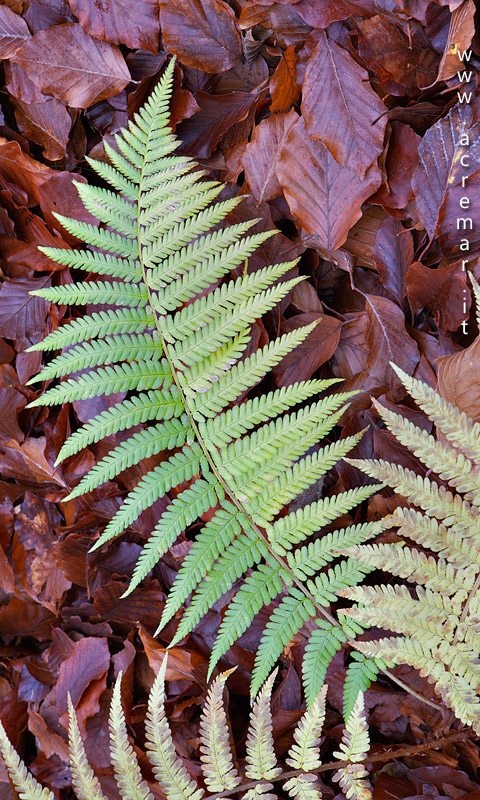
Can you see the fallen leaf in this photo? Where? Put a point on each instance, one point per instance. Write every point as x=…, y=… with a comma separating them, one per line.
x=22, y=617
x=341, y=109
x=442, y=291
x=67, y=63
x=324, y=196
x=21, y=314
x=201, y=133
x=202, y=33
x=144, y=605
x=120, y=21
x=47, y=124
x=458, y=379
x=314, y=351
x=182, y=664
x=21, y=170
x=88, y=662
x=42, y=14
x=440, y=169
x=11, y=403
x=460, y=34
x=261, y=155
x=27, y=464
x=402, y=158
x=321, y=13
x=13, y=32
x=387, y=340
x=283, y=85
x=393, y=255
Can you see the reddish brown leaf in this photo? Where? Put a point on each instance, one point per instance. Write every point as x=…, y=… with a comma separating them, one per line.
x=11, y=403
x=22, y=314
x=182, y=665
x=47, y=124
x=460, y=34
x=442, y=291
x=22, y=617
x=352, y=353
x=28, y=465
x=120, y=21
x=13, y=32
x=402, y=59
x=201, y=133
x=22, y=170
x=324, y=196
x=402, y=158
x=143, y=605
x=202, y=33
x=321, y=13
x=340, y=107
x=451, y=233
x=440, y=169
x=393, y=254
x=387, y=340
x=261, y=155
x=68, y=64
x=314, y=351
x=458, y=379
x=43, y=14
x=88, y=662
x=59, y=195
x=283, y=84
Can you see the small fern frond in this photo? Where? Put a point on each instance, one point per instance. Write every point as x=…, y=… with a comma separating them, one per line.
x=360, y=673
x=86, y=784
x=169, y=771
x=354, y=747
x=260, y=757
x=122, y=756
x=304, y=754
x=325, y=641
x=218, y=769
x=22, y=780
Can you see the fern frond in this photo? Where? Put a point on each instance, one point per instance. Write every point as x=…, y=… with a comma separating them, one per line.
x=122, y=756
x=458, y=549
x=101, y=323
x=125, y=269
x=218, y=769
x=304, y=754
x=86, y=784
x=260, y=757
x=360, y=673
x=23, y=781
x=325, y=641
x=167, y=767
x=354, y=747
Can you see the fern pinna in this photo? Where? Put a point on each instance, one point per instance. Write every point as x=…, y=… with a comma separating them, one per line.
x=175, y=340
x=440, y=619
x=219, y=772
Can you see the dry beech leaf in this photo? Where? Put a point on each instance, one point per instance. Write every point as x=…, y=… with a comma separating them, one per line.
x=439, y=169
x=340, y=107
x=315, y=350
x=130, y=22
x=47, y=124
x=361, y=238
x=283, y=85
x=11, y=403
x=402, y=158
x=21, y=170
x=13, y=32
x=22, y=314
x=441, y=291
x=27, y=464
x=460, y=35
x=387, y=340
x=67, y=63
x=202, y=33
x=392, y=255
x=449, y=234
x=324, y=196
x=262, y=153
x=352, y=353
x=321, y=13
x=458, y=379
x=201, y=133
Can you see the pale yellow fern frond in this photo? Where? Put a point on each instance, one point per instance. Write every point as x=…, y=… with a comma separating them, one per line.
x=23, y=781
x=218, y=769
x=122, y=756
x=84, y=781
x=167, y=767
x=260, y=757
x=460, y=550
x=354, y=747
x=305, y=752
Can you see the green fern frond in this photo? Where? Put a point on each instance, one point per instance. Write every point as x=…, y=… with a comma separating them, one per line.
x=175, y=340
x=360, y=673
x=325, y=641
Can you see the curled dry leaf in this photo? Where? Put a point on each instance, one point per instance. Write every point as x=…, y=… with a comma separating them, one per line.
x=202, y=33
x=324, y=196
x=66, y=63
x=402, y=158
x=283, y=85
x=134, y=24
x=341, y=109
x=460, y=34
x=21, y=314
x=201, y=133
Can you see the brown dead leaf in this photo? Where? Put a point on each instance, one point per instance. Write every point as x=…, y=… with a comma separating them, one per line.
x=11, y=403
x=387, y=340
x=120, y=21
x=27, y=464
x=182, y=664
x=402, y=158
x=392, y=255
x=21, y=616
x=324, y=196
x=340, y=108
x=67, y=63
x=202, y=33
x=89, y=661
x=283, y=85
x=21, y=170
x=22, y=314
x=460, y=34
x=47, y=124
x=262, y=154
x=458, y=379
x=442, y=291
x=13, y=32
x=201, y=133
x=314, y=351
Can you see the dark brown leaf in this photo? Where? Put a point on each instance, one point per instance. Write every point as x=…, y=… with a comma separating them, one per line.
x=262, y=154
x=201, y=133
x=340, y=107
x=202, y=33
x=11, y=403
x=393, y=254
x=460, y=34
x=442, y=291
x=324, y=196
x=68, y=64
x=47, y=124
x=21, y=314
x=13, y=32
x=387, y=340
x=458, y=379
x=314, y=351
x=402, y=158
x=120, y=21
